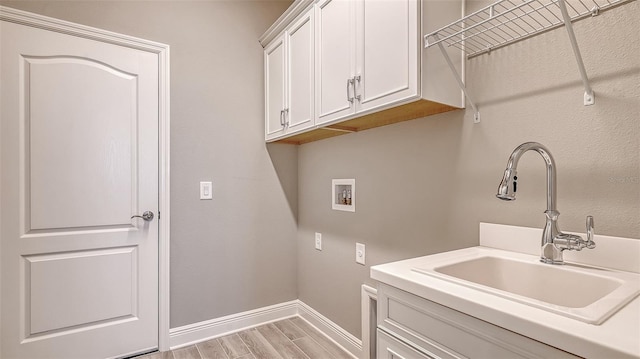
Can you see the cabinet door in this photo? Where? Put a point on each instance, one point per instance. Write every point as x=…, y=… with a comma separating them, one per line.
x=335, y=59
x=275, y=72
x=387, y=56
x=446, y=333
x=387, y=347
x=300, y=89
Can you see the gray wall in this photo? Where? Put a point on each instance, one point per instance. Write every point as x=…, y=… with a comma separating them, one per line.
x=423, y=186
x=237, y=252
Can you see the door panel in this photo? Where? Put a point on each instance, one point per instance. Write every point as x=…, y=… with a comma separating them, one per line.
x=50, y=277
x=81, y=161
x=79, y=145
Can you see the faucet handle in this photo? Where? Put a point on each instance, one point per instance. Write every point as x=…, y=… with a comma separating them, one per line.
x=590, y=232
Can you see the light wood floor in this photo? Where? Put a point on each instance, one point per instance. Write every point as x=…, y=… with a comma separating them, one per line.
x=289, y=338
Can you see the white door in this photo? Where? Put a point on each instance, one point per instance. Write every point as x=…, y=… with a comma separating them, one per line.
x=300, y=50
x=274, y=79
x=335, y=44
x=79, y=157
x=387, y=56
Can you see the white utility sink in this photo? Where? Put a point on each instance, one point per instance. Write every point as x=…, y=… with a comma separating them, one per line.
x=589, y=294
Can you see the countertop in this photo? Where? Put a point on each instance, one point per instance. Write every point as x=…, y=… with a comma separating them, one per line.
x=617, y=337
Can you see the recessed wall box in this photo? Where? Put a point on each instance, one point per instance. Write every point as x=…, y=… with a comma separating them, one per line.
x=343, y=195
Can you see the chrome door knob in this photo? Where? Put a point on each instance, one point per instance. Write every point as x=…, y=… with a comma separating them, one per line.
x=147, y=216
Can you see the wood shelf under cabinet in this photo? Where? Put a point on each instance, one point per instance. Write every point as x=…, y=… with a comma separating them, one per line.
x=410, y=111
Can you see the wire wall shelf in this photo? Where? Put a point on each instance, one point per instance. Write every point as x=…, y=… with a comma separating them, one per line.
x=507, y=21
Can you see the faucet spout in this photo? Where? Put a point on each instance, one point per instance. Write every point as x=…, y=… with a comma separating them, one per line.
x=507, y=188
x=554, y=242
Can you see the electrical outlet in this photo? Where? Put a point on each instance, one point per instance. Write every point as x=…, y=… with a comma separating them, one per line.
x=360, y=253
x=319, y=241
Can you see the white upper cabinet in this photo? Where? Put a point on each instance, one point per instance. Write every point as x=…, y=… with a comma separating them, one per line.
x=387, y=52
x=289, y=80
x=335, y=59
x=367, y=55
x=300, y=91
x=275, y=73
x=350, y=65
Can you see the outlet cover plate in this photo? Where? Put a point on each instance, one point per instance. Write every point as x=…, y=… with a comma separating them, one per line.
x=360, y=254
x=319, y=241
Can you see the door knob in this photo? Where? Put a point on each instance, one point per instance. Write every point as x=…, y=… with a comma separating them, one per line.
x=147, y=216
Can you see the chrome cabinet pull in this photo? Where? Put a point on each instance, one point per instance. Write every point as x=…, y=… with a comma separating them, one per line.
x=349, y=98
x=286, y=117
x=282, y=118
x=147, y=216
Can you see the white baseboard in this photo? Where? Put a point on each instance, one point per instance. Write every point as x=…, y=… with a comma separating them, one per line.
x=197, y=332
x=209, y=329
x=341, y=337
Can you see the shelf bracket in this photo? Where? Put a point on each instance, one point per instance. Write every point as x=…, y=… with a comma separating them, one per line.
x=476, y=113
x=340, y=128
x=589, y=96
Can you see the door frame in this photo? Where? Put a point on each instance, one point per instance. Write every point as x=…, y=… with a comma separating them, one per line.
x=162, y=50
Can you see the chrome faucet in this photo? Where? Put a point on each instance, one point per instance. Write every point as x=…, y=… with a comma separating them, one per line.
x=554, y=242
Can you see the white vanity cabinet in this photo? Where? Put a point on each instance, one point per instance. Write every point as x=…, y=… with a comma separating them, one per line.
x=367, y=56
x=413, y=327
x=388, y=347
x=289, y=79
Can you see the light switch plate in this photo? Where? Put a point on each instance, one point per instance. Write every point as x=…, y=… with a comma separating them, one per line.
x=206, y=190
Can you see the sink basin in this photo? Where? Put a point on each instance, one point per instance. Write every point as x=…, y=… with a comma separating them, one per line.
x=589, y=294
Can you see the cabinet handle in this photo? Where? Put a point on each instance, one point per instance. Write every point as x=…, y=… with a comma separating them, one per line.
x=356, y=78
x=282, y=118
x=349, y=83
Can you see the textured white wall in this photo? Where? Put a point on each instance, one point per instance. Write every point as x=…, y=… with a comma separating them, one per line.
x=424, y=185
